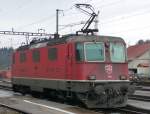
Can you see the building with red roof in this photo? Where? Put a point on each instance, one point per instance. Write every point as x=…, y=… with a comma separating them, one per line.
x=139, y=58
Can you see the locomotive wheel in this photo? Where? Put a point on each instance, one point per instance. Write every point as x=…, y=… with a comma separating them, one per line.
x=15, y=88
x=19, y=88
x=37, y=94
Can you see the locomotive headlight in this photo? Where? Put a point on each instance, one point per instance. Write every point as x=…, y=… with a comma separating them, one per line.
x=123, y=77
x=92, y=77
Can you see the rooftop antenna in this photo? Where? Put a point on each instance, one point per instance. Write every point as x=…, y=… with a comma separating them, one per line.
x=85, y=8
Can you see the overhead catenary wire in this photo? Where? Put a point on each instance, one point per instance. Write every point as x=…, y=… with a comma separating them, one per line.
x=108, y=4
x=49, y=17
x=123, y=17
x=22, y=5
x=38, y=21
x=132, y=29
x=71, y=25
x=69, y=9
x=102, y=5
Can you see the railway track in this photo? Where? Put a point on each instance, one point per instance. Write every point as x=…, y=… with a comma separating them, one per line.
x=5, y=88
x=128, y=110
x=124, y=110
x=5, y=85
x=133, y=110
x=141, y=95
x=140, y=98
x=13, y=109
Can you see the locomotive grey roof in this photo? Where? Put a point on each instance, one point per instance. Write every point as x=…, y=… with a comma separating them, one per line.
x=82, y=38
x=69, y=38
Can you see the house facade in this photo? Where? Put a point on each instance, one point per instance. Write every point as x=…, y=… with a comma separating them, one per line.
x=139, y=59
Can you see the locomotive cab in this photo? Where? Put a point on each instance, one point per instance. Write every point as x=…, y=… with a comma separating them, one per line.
x=99, y=64
x=100, y=60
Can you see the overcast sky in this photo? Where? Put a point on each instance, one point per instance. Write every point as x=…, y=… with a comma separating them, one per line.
x=129, y=19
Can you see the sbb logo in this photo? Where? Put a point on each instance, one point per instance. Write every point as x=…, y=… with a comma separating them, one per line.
x=108, y=69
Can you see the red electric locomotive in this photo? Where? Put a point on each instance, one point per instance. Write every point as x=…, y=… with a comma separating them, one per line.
x=90, y=68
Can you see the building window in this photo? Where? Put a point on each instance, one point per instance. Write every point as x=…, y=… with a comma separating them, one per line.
x=22, y=57
x=52, y=54
x=36, y=55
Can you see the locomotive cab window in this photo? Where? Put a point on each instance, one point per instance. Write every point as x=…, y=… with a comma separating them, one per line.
x=94, y=51
x=79, y=52
x=52, y=54
x=36, y=55
x=22, y=57
x=117, y=52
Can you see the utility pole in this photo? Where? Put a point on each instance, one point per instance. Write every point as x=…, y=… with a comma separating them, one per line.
x=57, y=23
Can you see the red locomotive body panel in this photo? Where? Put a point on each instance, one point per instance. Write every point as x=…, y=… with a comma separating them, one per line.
x=66, y=66
x=83, y=71
x=44, y=68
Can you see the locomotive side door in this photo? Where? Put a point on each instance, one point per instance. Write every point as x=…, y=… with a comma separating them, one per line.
x=69, y=62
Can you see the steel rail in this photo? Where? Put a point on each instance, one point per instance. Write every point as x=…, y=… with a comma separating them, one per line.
x=140, y=98
x=133, y=110
x=5, y=85
x=14, y=109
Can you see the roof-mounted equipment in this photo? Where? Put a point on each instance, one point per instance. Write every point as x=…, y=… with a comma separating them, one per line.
x=89, y=10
